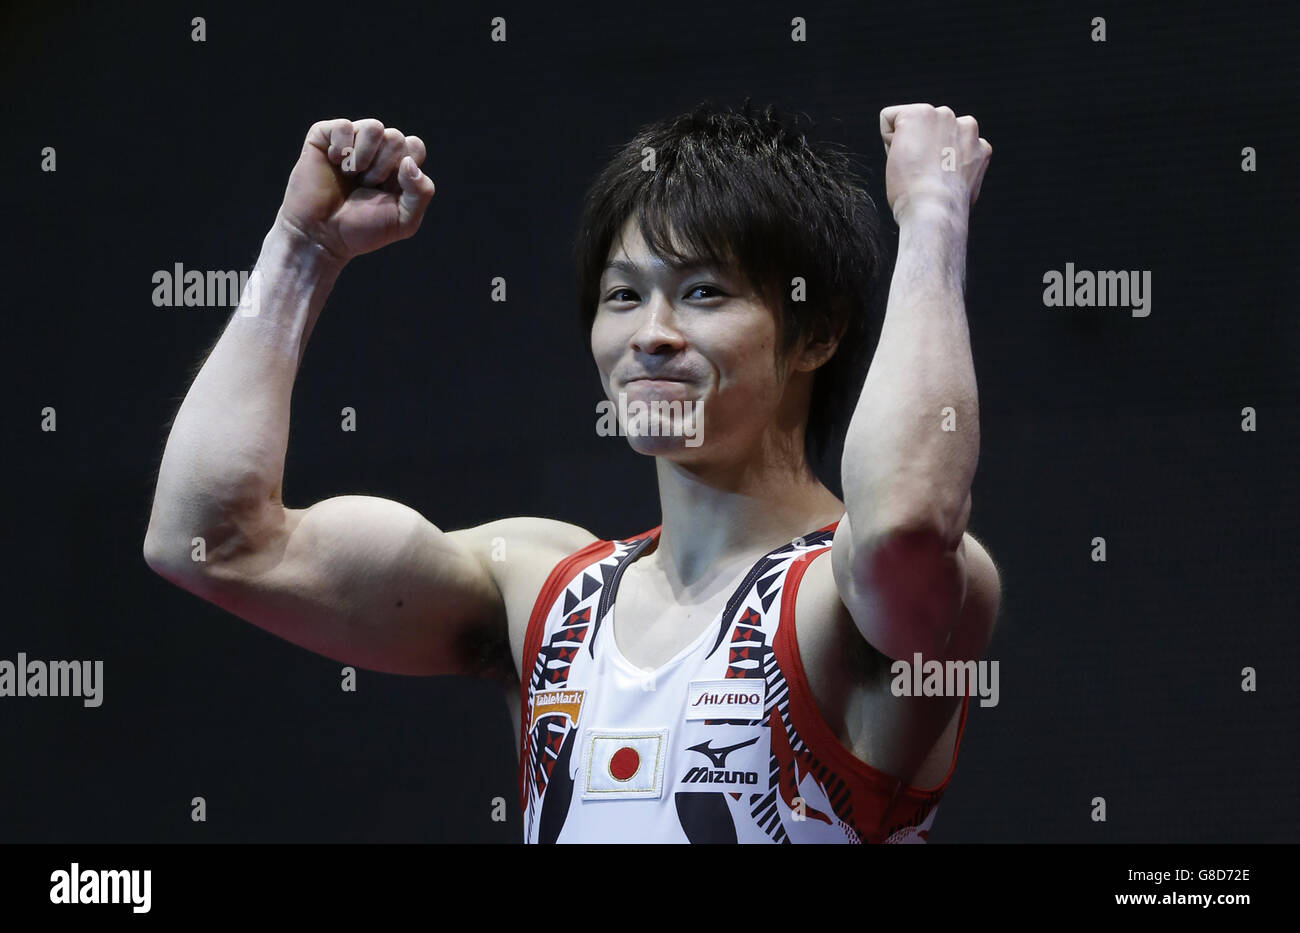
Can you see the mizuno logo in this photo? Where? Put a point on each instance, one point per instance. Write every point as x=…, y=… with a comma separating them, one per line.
x=719, y=755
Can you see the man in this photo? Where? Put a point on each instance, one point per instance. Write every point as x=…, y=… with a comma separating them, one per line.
x=708, y=680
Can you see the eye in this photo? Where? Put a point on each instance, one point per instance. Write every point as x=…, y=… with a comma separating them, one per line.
x=717, y=292
x=613, y=296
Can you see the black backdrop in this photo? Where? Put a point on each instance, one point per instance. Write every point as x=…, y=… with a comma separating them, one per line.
x=1119, y=679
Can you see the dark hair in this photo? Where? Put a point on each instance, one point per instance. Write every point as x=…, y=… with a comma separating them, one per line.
x=749, y=191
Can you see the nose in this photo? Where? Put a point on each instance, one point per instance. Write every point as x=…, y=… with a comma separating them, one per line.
x=657, y=330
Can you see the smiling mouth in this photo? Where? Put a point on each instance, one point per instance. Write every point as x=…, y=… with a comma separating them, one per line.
x=658, y=388
x=657, y=385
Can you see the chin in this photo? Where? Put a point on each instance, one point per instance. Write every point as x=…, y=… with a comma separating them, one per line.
x=675, y=448
x=665, y=433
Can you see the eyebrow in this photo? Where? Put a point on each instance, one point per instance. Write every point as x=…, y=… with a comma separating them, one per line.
x=628, y=267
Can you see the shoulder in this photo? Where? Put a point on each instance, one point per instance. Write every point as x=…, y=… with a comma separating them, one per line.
x=985, y=581
x=520, y=552
x=821, y=605
x=519, y=555
x=834, y=656
x=914, y=740
x=983, y=598
x=524, y=531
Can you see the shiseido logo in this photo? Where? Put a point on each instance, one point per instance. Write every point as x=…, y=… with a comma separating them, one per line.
x=727, y=699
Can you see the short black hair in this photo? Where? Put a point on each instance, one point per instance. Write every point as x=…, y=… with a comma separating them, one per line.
x=748, y=190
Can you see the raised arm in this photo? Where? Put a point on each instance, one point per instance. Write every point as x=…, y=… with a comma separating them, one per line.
x=910, y=575
x=359, y=579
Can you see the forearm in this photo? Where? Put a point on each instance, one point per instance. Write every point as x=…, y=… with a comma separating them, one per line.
x=224, y=460
x=908, y=462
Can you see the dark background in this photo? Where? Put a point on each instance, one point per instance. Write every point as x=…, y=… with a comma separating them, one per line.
x=1118, y=679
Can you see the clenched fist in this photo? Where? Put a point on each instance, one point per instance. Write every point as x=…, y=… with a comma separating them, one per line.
x=931, y=155
x=356, y=187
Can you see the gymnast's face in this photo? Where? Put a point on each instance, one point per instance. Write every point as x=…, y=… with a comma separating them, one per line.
x=695, y=334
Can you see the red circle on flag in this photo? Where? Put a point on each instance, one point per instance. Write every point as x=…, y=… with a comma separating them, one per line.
x=624, y=763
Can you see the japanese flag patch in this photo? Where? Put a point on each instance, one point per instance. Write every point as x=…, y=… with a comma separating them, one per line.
x=621, y=765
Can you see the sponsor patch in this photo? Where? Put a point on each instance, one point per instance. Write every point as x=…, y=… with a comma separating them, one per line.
x=732, y=758
x=546, y=702
x=736, y=698
x=623, y=765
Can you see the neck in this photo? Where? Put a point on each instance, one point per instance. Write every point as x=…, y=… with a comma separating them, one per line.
x=716, y=516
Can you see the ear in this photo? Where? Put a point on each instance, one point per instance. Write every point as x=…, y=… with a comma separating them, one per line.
x=817, y=348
